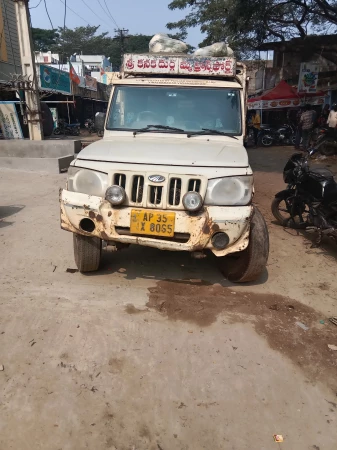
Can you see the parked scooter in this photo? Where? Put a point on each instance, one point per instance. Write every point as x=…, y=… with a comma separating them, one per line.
x=326, y=141
x=70, y=129
x=310, y=200
x=285, y=135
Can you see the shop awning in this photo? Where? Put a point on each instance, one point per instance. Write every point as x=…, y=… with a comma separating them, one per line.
x=284, y=96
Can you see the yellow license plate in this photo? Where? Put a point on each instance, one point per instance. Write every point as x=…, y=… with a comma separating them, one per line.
x=152, y=223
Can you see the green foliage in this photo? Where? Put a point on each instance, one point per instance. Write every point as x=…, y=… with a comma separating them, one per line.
x=246, y=24
x=44, y=40
x=88, y=41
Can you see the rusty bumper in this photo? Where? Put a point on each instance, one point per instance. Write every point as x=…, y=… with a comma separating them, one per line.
x=234, y=221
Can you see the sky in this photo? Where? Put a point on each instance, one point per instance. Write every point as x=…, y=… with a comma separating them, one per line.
x=138, y=16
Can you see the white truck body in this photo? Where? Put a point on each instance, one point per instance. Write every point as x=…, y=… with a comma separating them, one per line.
x=156, y=167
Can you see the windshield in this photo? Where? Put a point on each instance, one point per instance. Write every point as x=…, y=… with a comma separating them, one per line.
x=190, y=109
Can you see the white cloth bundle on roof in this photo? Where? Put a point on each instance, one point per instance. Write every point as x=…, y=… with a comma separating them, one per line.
x=217, y=49
x=161, y=43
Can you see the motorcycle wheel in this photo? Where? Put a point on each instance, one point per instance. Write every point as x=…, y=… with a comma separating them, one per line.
x=100, y=133
x=293, y=140
x=76, y=132
x=327, y=150
x=57, y=131
x=266, y=140
x=280, y=209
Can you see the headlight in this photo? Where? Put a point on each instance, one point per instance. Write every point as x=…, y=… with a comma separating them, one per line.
x=87, y=181
x=192, y=201
x=115, y=195
x=229, y=191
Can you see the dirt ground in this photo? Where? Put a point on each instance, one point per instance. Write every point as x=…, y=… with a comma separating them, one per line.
x=157, y=351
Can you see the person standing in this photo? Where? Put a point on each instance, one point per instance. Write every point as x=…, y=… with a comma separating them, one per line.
x=298, y=136
x=306, y=123
x=256, y=126
x=332, y=127
x=332, y=118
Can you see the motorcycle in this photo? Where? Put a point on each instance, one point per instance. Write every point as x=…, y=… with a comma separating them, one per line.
x=90, y=126
x=326, y=141
x=285, y=135
x=310, y=200
x=70, y=129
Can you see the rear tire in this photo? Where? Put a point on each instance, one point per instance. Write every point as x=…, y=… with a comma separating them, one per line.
x=328, y=150
x=248, y=265
x=87, y=252
x=266, y=140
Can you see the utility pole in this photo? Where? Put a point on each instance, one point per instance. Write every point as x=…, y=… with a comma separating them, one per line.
x=121, y=34
x=33, y=107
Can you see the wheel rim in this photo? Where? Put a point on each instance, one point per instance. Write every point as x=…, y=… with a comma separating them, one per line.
x=267, y=140
x=300, y=216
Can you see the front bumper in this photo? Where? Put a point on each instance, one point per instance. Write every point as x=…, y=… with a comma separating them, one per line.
x=112, y=224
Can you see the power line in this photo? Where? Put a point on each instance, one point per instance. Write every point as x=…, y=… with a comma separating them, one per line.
x=121, y=34
x=95, y=13
x=51, y=23
x=74, y=12
x=33, y=7
x=111, y=15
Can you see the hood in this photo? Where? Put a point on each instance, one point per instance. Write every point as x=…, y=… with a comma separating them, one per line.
x=168, y=151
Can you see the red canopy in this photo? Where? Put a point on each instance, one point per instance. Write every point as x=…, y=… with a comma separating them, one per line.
x=283, y=91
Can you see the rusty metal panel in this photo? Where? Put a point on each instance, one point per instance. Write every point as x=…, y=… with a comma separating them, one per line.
x=232, y=220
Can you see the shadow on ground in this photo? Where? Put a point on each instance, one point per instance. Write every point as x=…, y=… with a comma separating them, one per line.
x=153, y=264
x=7, y=211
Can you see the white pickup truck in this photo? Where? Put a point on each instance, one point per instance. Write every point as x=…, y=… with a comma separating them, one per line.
x=171, y=171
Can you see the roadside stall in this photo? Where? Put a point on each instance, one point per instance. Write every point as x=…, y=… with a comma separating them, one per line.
x=279, y=104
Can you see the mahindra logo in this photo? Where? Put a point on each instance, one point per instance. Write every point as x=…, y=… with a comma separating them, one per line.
x=156, y=178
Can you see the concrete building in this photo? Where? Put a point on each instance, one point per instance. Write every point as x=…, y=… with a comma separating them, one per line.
x=46, y=57
x=289, y=55
x=10, y=60
x=92, y=63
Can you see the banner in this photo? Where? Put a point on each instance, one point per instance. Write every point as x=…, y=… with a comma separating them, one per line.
x=9, y=121
x=307, y=83
x=90, y=83
x=286, y=103
x=52, y=79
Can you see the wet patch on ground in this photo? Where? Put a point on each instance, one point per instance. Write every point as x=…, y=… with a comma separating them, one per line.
x=289, y=326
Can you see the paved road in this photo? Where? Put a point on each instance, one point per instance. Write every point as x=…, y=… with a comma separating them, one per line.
x=157, y=351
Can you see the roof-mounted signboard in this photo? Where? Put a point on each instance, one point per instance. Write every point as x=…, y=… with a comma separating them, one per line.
x=179, y=65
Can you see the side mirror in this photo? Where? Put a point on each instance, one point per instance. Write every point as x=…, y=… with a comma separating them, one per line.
x=100, y=121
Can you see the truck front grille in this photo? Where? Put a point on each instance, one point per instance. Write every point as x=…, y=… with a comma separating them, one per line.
x=167, y=195
x=156, y=193
x=175, y=191
x=120, y=179
x=137, y=189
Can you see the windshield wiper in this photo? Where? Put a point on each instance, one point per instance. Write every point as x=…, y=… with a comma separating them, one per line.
x=160, y=127
x=209, y=131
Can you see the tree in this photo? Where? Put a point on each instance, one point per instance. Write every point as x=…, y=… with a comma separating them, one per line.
x=88, y=41
x=44, y=40
x=246, y=24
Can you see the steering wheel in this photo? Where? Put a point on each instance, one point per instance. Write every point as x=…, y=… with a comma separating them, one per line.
x=149, y=113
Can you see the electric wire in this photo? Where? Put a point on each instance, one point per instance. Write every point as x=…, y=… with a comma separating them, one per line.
x=51, y=23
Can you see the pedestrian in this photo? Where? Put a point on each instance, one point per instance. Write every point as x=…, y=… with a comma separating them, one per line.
x=332, y=127
x=324, y=116
x=332, y=118
x=306, y=122
x=256, y=126
x=298, y=136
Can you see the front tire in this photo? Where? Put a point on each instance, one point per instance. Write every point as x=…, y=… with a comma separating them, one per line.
x=248, y=265
x=87, y=252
